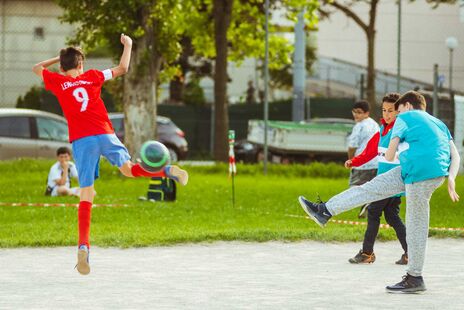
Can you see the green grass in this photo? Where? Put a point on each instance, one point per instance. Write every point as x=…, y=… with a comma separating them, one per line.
x=266, y=208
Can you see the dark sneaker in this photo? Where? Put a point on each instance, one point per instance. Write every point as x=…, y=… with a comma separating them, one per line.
x=362, y=258
x=409, y=285
x=316, y=211
x=363, y=212
x=403, y=260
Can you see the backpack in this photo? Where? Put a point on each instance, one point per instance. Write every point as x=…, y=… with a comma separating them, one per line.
x=161, y=189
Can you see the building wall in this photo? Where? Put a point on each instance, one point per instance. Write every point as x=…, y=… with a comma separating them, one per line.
x=424, y=31
x=30, y=32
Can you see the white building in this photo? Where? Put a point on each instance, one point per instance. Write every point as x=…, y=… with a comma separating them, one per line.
x=424, y=31
x=30, y=32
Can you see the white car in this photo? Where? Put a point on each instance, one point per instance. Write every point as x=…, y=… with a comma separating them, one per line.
x=31, y=133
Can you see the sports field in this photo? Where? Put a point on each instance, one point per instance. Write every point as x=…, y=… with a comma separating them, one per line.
x=266, y=208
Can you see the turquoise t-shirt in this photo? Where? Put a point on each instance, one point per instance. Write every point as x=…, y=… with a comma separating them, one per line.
x=424, y=150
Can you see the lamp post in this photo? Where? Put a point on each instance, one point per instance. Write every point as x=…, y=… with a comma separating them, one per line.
x=451, y=44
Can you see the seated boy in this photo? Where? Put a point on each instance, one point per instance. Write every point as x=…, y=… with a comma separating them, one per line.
x=59, y=177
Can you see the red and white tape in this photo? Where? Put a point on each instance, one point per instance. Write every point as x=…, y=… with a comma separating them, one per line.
x=356, y=223
x=75, y=205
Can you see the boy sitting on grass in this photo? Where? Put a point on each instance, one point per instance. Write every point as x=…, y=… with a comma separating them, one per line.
x=59, y=177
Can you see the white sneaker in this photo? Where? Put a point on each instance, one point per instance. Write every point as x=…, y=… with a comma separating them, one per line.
x=83, y=265
x=177, y=174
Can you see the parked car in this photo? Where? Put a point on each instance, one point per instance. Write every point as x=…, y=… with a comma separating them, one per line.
x=31, y=133
x=167, y=133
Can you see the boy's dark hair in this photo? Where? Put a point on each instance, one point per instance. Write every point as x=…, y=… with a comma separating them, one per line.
x=63, y=150
x=414, y=98
x=70, y=58
x=391, y=97
x=361, y=104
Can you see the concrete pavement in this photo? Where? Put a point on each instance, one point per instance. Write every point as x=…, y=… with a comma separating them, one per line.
x=228, y=275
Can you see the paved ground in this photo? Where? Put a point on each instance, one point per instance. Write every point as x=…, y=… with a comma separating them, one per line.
x=304, y=275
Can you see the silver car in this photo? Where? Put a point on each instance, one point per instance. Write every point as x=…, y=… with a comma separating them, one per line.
x=31, y=133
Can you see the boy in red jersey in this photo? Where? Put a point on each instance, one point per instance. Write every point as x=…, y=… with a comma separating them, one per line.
x=90, y=130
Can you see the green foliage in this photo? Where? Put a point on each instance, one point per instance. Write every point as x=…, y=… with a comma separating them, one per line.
x=246, y=31
x=193, y=93
x=30, y=100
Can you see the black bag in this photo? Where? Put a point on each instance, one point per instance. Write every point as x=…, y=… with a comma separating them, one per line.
x=48, y=189
x=161, y=189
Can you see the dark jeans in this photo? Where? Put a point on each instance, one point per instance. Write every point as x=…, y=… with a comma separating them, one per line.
x=391, y=210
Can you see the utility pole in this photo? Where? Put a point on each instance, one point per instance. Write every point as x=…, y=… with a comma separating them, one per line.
x=266, y=83
x=299, y=77
x=398, y=71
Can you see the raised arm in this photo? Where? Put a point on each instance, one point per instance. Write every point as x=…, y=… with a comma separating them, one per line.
x=39, y=67
x=392, y=148
x=123, y=66
x=453, y=171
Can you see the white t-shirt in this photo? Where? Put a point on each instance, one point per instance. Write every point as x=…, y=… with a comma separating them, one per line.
x=361, y=134
x=56, y=171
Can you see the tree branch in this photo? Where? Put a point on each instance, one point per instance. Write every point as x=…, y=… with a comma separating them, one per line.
x=348, y=12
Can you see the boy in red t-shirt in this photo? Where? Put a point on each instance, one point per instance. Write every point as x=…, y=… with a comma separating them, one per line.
x=90, y=130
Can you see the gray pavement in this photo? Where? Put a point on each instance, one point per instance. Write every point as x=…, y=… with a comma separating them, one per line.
x=227, y=275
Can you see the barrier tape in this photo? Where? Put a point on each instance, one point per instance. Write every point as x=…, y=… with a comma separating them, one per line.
x=346, y=222
x=385, y=226
x=75, y=205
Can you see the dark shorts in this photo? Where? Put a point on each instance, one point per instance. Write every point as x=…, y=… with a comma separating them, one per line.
x=359, y=177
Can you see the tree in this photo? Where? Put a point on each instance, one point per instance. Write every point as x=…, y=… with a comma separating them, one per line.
x=155, y=47
x=369, y=29
x=221, y=30
x=238, y=29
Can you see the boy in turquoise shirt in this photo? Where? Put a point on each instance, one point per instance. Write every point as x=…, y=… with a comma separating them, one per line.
x=427, y=155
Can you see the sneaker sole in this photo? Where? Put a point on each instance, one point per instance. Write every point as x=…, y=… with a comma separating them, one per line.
x=303, y=205
x=363, y=213
x=82, y=265
x=360, y=263
x=180, y=174
x=406, y=291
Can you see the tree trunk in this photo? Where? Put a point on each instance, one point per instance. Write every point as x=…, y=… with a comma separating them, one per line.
x=140, y=94
x=370, y=89
x=222, y=14
x=176, y=90
x=370, y=33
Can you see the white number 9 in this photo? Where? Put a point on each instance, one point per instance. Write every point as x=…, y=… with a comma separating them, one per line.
x=81, y=96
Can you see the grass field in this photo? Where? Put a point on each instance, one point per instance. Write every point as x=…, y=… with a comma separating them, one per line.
x=266, y=208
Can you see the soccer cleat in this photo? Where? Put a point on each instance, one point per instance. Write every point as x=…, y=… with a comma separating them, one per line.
x=409, y=285
x=362, y=258
x=316, y=211
x=83, y=265
x=403, y=260
x=177, y=174
x=363, y=212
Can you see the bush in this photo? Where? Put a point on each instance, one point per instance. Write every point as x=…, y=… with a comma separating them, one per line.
x=193, y=93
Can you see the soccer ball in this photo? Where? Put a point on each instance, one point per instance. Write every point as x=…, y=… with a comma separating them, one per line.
x=154, y=156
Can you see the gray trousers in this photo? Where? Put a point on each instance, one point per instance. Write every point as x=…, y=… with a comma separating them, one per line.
x=417, y=208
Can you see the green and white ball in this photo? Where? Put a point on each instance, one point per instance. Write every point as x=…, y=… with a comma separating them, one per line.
x=154, y=156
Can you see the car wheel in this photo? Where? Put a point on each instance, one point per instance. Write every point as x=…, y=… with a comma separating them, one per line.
x=173, y=155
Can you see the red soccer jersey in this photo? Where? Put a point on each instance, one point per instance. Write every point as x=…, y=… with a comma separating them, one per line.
x=81, y=103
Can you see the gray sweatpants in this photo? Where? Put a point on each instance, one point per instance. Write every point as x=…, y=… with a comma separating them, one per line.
x=417, y=208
